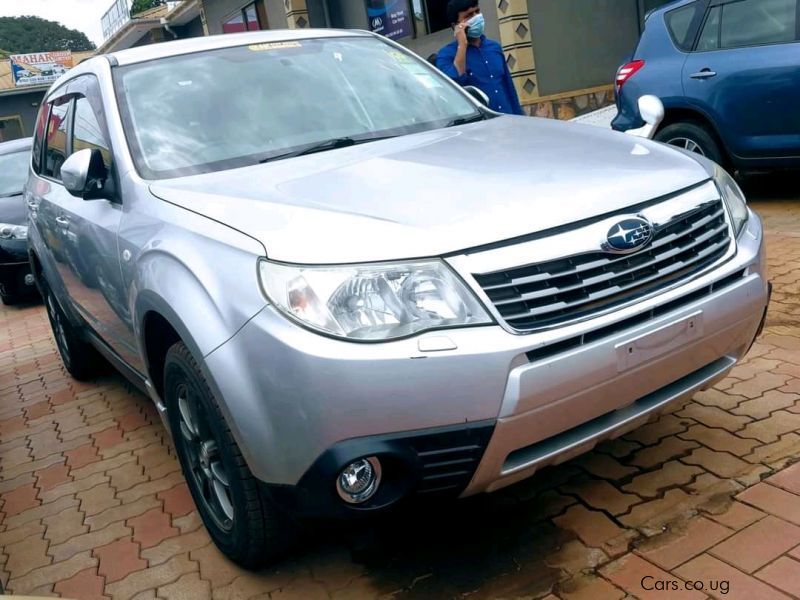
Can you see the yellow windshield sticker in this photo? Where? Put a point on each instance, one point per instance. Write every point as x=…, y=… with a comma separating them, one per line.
x=400, y=56
x=274, y=46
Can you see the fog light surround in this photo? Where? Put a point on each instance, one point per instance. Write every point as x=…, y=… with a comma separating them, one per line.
x=359, y=480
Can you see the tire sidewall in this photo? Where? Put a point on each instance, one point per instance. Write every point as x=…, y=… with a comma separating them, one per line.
x=52, y=306
x=177, y=371
x=696, y=133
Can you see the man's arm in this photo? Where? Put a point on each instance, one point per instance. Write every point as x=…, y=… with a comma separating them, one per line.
x=446, y=63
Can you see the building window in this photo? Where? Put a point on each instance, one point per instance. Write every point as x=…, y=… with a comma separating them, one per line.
x=245, y=19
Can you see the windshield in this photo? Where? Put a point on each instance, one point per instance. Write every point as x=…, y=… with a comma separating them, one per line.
x=13, y=172
x=227, y=108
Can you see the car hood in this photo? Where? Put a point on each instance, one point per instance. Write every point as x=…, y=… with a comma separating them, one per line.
x=13, y=210
x=436, y=192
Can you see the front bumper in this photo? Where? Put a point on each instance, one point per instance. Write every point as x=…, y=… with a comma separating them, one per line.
x=302, y=405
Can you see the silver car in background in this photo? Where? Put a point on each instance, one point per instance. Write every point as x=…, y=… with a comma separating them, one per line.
x=346, y=284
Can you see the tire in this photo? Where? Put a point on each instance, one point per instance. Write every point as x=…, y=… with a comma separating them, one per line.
x=80, y=358
x=242, y=520
x=10, y=299
x=693, y=137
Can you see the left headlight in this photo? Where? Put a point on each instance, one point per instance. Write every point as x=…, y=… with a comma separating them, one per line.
x=372, y=302
x=734, y=198
x=13, y=232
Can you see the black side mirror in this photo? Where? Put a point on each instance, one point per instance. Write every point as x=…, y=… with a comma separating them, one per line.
x=85, y=175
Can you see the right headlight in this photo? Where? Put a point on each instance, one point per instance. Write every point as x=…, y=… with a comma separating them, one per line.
x=372, y=302
x=734, y=198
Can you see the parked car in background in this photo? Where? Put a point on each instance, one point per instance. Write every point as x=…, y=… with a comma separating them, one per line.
x=347, y=284
x=16, y=281
x=728, y=73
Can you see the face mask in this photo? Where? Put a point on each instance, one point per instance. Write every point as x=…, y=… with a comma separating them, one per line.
x=475, y=26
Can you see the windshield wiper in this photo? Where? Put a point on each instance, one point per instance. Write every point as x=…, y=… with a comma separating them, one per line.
x=332, y=144
x=464, y=120
x=11, y=194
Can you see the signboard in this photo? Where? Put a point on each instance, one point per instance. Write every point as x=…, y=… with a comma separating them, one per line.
x=391, y=18
x=115, y=17
x=40, y=68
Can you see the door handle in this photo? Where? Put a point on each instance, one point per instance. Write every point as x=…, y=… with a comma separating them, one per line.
x=704, y=74
x=63, y=221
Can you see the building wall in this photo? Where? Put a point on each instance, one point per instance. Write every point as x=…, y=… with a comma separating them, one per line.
x=579, y=44
x=25, y=106
x=193, y=28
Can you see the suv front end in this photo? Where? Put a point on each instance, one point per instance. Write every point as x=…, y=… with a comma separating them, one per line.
x=585, y=344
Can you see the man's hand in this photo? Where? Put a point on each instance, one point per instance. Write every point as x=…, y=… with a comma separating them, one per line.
x=460, y=33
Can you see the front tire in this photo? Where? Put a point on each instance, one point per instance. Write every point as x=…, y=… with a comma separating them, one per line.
x=693, y=137
x=242, y=520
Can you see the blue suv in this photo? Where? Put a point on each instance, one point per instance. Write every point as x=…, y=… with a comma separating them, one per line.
x=728, y=73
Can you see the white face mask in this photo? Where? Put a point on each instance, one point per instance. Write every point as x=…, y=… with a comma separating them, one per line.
x=475, y=26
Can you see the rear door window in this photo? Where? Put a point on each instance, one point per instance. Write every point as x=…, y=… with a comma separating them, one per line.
x=758, y=22
x=55, y=152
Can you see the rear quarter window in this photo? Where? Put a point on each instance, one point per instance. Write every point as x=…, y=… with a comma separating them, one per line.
x=682, y=24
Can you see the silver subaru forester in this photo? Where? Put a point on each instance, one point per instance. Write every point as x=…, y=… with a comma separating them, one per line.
x=346, y=284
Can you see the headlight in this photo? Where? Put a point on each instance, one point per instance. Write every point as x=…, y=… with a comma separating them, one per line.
x=13, y=232
x=372, y=302
x=733, y=197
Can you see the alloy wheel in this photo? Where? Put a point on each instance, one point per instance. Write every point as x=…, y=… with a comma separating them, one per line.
x=687, y=144
x=205, y=460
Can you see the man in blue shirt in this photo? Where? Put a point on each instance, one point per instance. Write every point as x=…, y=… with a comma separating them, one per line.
x=473, y=59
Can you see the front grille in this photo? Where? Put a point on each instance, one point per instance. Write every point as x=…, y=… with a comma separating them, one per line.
x=558, y=291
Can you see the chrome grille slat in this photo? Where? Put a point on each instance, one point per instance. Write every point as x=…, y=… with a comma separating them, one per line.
x=613, y=291
x=598, y=279
x=580, y=268
x=556, y=291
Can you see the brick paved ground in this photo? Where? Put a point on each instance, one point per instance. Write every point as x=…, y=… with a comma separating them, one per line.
x=94, y=505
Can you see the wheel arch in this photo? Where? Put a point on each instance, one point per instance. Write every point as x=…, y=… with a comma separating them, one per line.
x=682, y=114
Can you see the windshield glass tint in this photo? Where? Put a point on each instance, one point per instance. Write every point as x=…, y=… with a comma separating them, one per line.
x=13, y=172
x=233, y=107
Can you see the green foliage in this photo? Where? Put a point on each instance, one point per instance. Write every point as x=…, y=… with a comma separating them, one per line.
x=24, y=35
x=142, y=5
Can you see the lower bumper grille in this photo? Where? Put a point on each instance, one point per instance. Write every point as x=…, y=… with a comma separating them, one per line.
x=562, y=290
x=448, y=460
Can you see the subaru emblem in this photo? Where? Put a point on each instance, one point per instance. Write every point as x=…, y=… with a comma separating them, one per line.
x=629, y=235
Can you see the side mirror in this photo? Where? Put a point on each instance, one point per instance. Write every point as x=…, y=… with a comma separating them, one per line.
x=84, y=175
x=477, y=94
x=652, y=111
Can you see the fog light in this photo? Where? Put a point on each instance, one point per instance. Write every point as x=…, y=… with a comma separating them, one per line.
x=29, y=280
x=359, y=480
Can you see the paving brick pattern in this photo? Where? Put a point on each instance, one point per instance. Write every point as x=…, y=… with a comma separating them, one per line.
x=93, y=504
